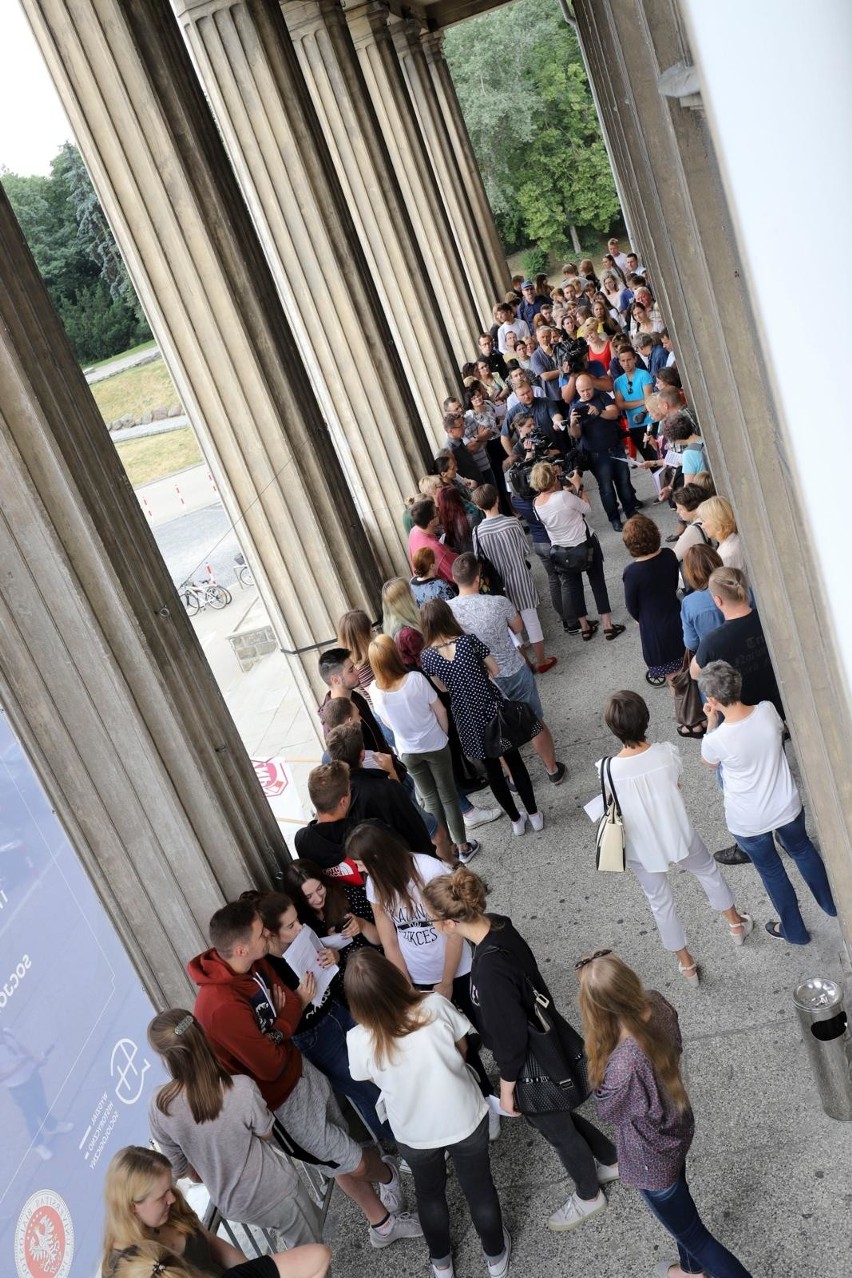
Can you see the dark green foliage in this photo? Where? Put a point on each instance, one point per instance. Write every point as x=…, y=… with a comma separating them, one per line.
x=534, y=261
x=522, y=85
x=78, y=258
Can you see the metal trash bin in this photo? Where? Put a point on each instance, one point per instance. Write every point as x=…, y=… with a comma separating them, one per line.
x=825, y=1030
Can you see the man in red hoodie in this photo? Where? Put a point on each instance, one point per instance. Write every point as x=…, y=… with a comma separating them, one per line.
x=249, y=1016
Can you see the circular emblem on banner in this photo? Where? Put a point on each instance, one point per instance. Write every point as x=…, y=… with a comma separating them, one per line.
x=44, y=1237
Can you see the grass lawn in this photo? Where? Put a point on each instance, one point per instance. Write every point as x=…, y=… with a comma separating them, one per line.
x=136, y=391
x=594, y=249
x=134, y=350
x=159, y=455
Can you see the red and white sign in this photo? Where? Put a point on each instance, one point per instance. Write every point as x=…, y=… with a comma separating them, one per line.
x=273, y=776
x=44, y=1237
x=276, y=777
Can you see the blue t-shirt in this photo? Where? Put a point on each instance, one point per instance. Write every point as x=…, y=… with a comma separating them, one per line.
x=693, y=459
x=637, y=384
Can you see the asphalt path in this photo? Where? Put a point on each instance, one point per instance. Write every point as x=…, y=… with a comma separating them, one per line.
x=196, y=539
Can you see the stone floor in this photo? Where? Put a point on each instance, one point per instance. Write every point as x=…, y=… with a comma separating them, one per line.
x=770, y=1172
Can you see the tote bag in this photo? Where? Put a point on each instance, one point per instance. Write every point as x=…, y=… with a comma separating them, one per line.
x=609, y=844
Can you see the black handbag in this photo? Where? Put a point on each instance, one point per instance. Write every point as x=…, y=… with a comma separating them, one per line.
x=575, y=558
x=514, y=724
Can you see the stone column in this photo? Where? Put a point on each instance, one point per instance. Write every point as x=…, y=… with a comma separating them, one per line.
x=668, y=170
x=373, y=195
x=101, y=674
x=386, y=83
x=170, y=194
x=446, y=163
x=252, y=80
x=472, y=185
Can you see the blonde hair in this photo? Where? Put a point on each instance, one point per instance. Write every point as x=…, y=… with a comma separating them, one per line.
x=717, y=516
x=729, y=584
x=542, y=476
x=429, y=485
x=388, y=666
x=398, y=607
x=132, y=1177
x=613, y=999
x=151, y=1260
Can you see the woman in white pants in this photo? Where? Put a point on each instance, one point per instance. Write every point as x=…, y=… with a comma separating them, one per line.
x=657, y=830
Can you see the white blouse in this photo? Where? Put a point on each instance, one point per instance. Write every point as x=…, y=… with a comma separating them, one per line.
x=564, y=517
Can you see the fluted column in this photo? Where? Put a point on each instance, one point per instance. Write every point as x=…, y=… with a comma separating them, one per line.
x=406, y=34
x=101, y=674
x=372, y=190
x=251, y=77
x=391, y=99
x=169, y=191
x=472, y=185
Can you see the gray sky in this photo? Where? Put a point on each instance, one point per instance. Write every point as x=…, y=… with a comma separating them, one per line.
x=33, y=125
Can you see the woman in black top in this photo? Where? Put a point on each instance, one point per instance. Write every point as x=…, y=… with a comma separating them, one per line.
x=503, y=977
x=331, y=907
x=650, y=596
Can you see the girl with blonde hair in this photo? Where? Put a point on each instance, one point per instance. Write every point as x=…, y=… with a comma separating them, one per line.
x=719, y=522
x=401, y=619
x=354, y=631
x=633, y=1048
x=413, y=1045
x=217, y=1128
x=148, y=1219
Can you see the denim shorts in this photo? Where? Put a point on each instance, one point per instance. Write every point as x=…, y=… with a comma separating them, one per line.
x=522, y=686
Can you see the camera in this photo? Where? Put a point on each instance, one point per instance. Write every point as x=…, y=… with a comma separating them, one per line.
x=573, y=353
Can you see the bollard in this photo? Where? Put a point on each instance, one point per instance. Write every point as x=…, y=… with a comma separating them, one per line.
x=825, y=1030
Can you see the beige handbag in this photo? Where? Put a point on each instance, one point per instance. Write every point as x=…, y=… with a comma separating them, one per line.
x=609, y=843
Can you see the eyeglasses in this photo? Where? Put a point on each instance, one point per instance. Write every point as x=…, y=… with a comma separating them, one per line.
x=584, y=962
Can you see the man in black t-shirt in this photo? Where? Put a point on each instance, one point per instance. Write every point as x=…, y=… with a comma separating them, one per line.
x=739, y=641
x=594, y=421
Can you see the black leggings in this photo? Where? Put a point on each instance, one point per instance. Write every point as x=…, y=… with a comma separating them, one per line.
x=500, y=789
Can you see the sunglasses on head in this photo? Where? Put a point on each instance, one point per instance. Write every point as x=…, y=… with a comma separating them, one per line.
x=584, y=962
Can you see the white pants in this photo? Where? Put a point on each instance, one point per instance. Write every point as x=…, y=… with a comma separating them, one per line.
x=532, y=625
x=658, y=890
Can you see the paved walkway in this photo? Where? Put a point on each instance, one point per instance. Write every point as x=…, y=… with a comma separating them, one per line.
x=135, y=358
x=769, y=1170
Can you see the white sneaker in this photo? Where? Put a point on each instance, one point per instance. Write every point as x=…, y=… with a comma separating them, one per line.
x=536, y=820
x=43, y=1152
x=519, y=826
x=402, y=1225
x=607, y=1172
x=391, y=1193
x=481, y=816
x=576, y=1212
x=443, y=1271
x=498, y=1266
x=493, y=1124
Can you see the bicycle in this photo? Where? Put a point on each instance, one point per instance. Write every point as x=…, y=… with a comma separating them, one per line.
x=242, y=571
x=196, y=596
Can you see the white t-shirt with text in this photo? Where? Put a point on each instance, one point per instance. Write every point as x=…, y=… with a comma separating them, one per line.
x=421, y=944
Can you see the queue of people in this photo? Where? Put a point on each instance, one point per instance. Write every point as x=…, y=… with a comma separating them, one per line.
x=375, y=974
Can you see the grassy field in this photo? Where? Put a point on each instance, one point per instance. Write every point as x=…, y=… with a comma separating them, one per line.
x=592, y=248
x=134, y=350
x=159, y=455
x=136, y=391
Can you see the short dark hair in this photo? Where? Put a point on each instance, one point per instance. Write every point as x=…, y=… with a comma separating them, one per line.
x=339, y=710
x=641, y=536
x=485, y=335
x=327, y=785
x=331, y=662
x=346, y=744
x=689, y=497
x=422, y=513
x=231, y=925
x=452, y=420
x=627, y=717
x=485, y=496
x=466, y=569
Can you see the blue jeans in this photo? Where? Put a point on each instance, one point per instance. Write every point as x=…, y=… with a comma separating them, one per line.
x=698, y=1251
x=521, y=686
x=793, y=838
x=325, y=1047
x=613, y=476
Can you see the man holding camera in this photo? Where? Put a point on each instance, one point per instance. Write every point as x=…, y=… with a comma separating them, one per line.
x=594, y=421
x=573, y=359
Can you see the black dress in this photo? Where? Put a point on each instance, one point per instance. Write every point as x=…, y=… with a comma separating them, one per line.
x=650, y=596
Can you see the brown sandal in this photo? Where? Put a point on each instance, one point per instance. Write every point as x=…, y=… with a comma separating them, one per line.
x=614, y=631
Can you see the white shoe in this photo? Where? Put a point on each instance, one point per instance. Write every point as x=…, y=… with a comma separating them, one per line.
x=607, y=1172
x=443, y=1271
x=536, y=820
x=403, y=1225
x=519, y=826
x=43, y=1152
x=481, y=816
x=391, y=1193
x=576, y=1212
x=498, y=1267
x=493, y=1124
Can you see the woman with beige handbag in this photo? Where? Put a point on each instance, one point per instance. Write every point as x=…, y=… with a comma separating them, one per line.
x=657, y=829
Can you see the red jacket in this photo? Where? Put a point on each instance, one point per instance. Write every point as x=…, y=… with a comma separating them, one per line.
x=243, y=1029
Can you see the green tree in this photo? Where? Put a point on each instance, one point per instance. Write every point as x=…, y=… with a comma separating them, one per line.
x=523, y=89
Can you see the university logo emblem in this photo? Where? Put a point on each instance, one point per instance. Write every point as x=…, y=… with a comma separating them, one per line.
x=44, y=1237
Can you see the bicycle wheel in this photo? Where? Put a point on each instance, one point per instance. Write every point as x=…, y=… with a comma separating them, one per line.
x=189, y=599
x=245, y=576
x=217, y=596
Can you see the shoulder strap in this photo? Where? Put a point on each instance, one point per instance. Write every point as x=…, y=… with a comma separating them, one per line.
x=538, y=997
x=606, y=780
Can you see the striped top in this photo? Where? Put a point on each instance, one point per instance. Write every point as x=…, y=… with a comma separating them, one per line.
x=502, y=540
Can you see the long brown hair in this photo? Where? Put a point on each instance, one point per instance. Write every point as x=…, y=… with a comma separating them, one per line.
x=438, y=622
x=389, y=863
x=354, y=631
x=194, y=1069
x=612, y=999
x=383, y=1001
x=388, y=666
x=131, y=1178
x=336, y=901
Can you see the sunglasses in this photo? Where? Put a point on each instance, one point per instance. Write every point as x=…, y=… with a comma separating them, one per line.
x=584, y=962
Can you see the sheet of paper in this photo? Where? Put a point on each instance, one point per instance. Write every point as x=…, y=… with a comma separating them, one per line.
x=493, y=1103
x=302, y=955
x=594, y=810
x=336, y=942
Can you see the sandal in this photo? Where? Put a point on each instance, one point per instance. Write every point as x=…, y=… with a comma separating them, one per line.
x=690, y=974
x=591, y=631
x=696, y=731
x=773, y=927
x=614, y=631
x=747, y=925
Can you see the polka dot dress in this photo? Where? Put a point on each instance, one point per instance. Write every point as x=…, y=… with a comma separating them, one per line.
x=473, y=697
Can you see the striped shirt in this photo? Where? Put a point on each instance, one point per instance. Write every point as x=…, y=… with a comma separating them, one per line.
x=502, y=540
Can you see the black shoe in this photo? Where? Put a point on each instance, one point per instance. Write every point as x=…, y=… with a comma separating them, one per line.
x=558, y=776
x=571, y=630
x=617, y=525
x=732, y=856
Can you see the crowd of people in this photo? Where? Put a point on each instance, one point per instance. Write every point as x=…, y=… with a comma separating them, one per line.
x=374, y=975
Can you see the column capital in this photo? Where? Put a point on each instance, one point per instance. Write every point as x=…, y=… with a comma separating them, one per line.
x=197, y=9
x=305, y=17
x=368, y=21
x=433, y=44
